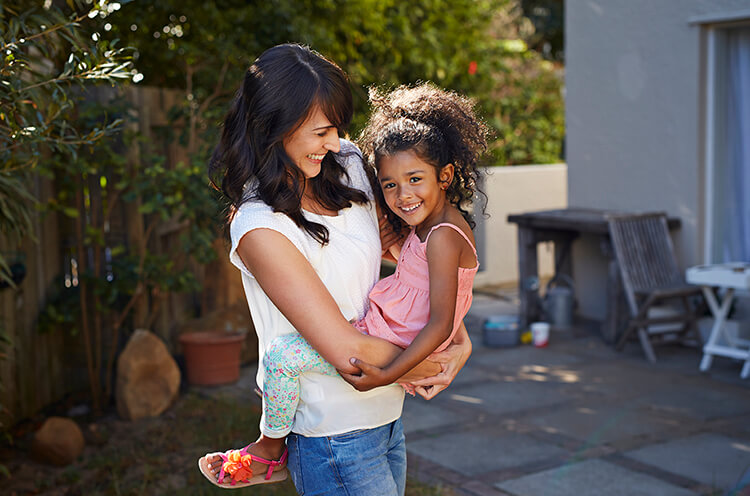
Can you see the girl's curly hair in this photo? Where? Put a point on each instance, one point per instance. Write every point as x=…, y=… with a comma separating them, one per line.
x=440, y=126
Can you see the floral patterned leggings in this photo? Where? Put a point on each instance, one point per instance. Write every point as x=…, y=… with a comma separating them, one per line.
x=285, y=360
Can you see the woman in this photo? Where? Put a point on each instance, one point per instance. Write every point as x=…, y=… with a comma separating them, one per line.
x=305, y=235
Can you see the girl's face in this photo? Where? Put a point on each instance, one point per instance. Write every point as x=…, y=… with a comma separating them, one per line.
x=310, y=142
x=411, y=187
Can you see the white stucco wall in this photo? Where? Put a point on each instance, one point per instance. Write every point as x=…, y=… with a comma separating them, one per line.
x=512, y=190
x=634, y=119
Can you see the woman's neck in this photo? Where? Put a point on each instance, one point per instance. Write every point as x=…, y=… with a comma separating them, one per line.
x=311, y=203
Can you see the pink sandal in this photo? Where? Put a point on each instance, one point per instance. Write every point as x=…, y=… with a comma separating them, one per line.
x=237, y=463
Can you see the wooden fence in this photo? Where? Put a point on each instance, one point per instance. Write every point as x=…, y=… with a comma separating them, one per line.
x=41, y=368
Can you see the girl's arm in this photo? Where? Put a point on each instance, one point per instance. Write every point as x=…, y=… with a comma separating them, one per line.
x=291, y=283
x=443, y=255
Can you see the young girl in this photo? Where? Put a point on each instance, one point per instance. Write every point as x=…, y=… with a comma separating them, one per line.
x=424, y=144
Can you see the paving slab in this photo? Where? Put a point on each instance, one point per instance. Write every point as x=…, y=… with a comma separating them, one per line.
x=622, y=381
x=681, y=399
x=477, y=452
x=715, y=460
x=242, y=390
x=418, y=415
x=594, y=425
x=503, y=397
x=591, y=347
x=472, y=374
x=524, y=356
x=590, y=478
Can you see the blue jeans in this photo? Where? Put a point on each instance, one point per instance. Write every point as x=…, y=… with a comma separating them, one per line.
x=365, y=462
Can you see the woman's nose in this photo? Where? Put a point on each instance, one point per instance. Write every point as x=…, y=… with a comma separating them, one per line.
x=333, y=144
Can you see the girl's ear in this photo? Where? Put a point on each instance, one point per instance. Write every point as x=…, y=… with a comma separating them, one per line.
x=445, y=176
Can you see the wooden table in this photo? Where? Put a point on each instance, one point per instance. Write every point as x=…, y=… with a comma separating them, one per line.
x=731, y=277
x=562, y=227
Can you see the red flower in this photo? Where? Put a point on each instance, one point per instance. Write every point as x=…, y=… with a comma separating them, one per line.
x=473, y=67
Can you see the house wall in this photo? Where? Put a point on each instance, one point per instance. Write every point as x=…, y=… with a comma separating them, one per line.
x=512, y=190
x=633, y=117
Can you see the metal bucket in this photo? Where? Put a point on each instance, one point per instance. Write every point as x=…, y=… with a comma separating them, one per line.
x=558, y=301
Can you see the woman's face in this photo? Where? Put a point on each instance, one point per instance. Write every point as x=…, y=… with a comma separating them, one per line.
x=310, y=142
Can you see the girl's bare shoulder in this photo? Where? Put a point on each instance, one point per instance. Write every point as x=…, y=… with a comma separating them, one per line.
x=445, y=237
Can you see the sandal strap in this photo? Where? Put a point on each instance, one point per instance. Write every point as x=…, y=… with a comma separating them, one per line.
x=220, y=479
x=271, y=463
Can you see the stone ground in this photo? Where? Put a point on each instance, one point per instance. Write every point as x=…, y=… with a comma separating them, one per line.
x=577, y=418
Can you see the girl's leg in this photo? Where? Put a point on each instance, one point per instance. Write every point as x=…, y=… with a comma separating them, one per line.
x=285, y=360
x=369, y=462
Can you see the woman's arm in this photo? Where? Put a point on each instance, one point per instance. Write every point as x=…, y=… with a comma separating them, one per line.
x=451, y=360
x=443, y=255
x=294, y=287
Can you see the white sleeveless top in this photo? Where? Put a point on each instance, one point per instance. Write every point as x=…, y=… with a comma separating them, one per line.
x=349, y=265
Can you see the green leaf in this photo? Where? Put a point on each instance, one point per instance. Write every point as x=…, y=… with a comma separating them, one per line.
x=71, y=212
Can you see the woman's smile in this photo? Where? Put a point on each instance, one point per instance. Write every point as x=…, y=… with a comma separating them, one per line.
x=316, y=158
x=311, y=141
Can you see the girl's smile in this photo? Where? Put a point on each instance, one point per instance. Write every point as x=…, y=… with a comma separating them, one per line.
x=412, y=188
x=410, y=208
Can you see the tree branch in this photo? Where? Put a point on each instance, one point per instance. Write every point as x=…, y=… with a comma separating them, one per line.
x=49, y=30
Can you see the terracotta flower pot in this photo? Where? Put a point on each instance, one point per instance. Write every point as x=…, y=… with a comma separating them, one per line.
x=212, y=358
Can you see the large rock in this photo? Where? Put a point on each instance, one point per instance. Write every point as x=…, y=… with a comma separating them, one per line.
x=59, y=441
x=148, y=379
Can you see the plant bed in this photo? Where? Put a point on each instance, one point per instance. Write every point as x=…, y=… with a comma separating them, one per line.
x=153, y=456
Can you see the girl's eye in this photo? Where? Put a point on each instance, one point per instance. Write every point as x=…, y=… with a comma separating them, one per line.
x=414, y=179
x=389, y=185
x=323, y=134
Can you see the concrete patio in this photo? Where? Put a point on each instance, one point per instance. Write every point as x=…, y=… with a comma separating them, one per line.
x=577, y=419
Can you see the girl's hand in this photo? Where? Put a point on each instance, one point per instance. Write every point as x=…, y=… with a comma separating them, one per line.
x=451, y=360
x=369, y=378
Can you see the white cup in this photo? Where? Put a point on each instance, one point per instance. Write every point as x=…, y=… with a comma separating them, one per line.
x=540, y=334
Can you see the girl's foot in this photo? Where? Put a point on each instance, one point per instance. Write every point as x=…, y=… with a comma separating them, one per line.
x=259, y=463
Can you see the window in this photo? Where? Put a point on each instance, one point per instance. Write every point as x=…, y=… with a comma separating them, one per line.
x=727, y=141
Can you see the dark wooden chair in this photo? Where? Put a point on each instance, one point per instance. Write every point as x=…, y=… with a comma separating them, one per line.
x=650, y=277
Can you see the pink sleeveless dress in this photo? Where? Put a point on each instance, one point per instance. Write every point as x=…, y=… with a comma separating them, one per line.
x=400, y=303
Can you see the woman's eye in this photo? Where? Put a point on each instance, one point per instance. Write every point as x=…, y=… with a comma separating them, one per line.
x=322, y=135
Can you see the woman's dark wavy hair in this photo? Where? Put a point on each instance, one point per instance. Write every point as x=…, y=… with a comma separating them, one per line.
x=439, y=126
x=278, y=93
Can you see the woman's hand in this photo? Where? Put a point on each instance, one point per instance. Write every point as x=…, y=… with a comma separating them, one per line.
x=390, y=242
x=451, y=360
x=388, y=236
